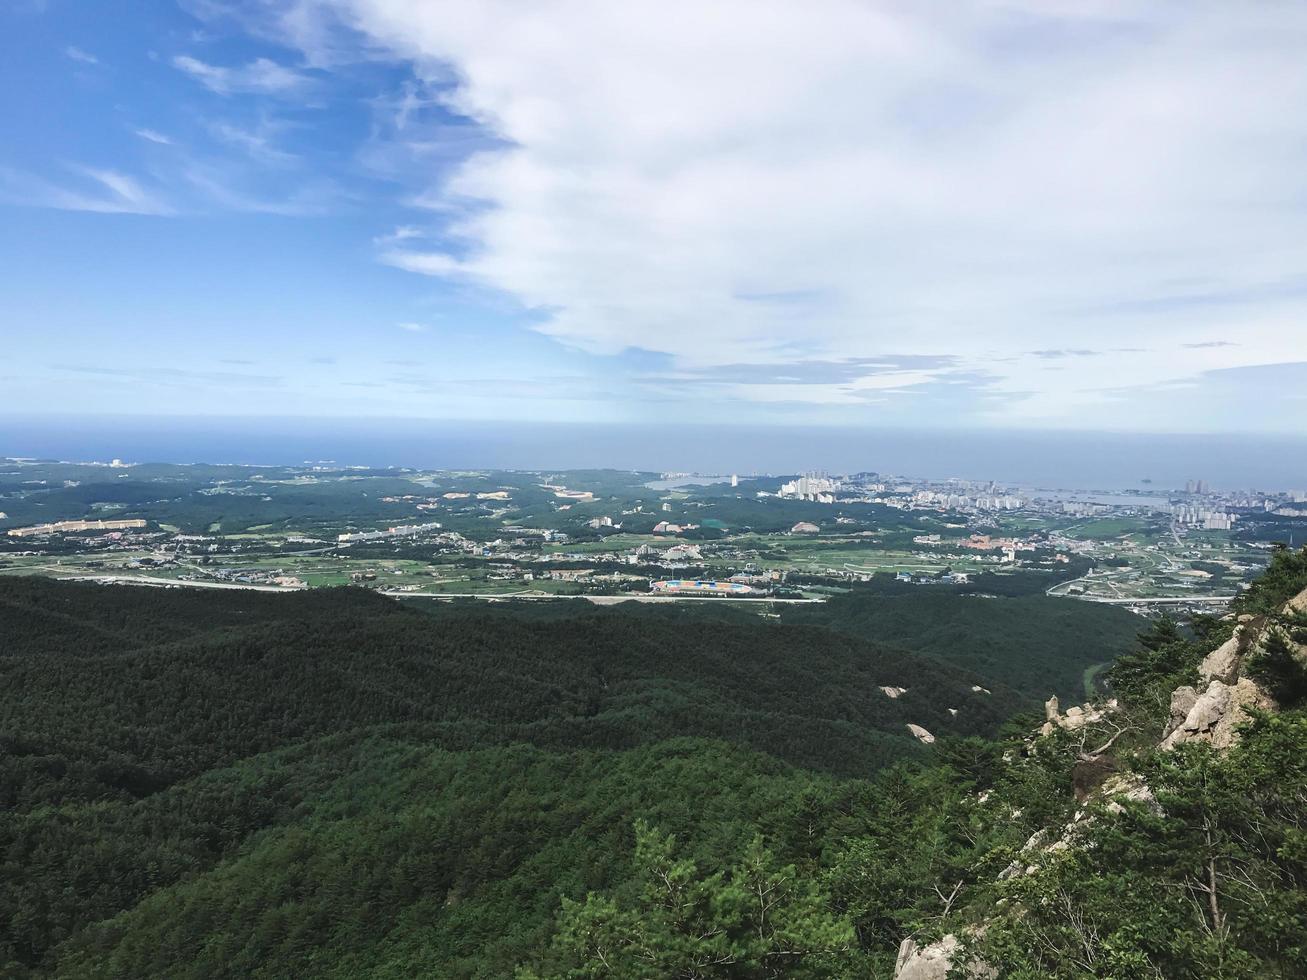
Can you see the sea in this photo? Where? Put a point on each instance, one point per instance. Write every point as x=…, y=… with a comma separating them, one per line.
x=1063, y=460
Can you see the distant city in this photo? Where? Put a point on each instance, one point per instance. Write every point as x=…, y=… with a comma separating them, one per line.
x=617, y=535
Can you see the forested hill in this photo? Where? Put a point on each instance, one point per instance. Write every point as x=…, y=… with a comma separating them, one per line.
x=130, y=690
x=150, y=735
x=331, y=783
x=1035, y=644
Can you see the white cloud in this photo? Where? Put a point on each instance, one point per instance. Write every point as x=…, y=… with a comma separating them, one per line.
x=151, y=136
x=979, y=180
x=100, y=191
x=261, y=76
x=256, y=144
x=412, y=327
x=401, y=233
x=426, y=263
x=222, y=186
x=77, y=54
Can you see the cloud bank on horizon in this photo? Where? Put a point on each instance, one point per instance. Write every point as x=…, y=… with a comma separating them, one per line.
x=1014, y=212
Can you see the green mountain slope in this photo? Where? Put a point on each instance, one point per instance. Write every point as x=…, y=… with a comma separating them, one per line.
x=1035, y=644
x=333, y=784
x=406, y=860
x=130, y=720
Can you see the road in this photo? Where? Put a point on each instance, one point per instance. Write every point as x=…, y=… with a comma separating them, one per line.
x=1061, y=591
x=599, y=600
x=1160, y=600
x=178, y=583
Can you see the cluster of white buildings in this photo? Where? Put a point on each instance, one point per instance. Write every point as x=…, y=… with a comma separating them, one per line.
x=667, y=527
x=818, y=488
x=1082, y=508
x=399, y=531
x=62, y=527
x=958, y=501
x=921, y=578
x=1192, y=515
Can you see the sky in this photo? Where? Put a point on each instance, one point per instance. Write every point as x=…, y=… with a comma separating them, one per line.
x=1042, y=215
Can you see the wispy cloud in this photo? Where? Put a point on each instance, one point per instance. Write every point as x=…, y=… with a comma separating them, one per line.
x=895, y=369
x=222, y=186
x=256, y=144
x=152, y=136
x=426, y=263
x=402, y=233
x=98, y=190
x=261, y=76
x=411, y=327
x=175, y=377
x=77, y=54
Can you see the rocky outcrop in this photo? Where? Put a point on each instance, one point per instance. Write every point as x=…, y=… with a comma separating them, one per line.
x=1222, y=664
x=921, y=734
x=1213, y=712
x=1114, y=790
x=1024, y=861
x=894, y=692
x=1210, y=712
x=1182, y=702
x=934, y=961
x=1077, y=716
x=931, y=962
x=1128, y=786
x=1217, y=713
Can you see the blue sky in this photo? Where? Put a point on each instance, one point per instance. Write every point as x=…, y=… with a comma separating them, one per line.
x=999, y=214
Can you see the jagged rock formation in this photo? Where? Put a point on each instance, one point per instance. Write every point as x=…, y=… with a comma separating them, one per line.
x=1130, y=787
x=894, y=692
x=1077, y=716
x=921, y=734
x=931, y=962
x=1215, y=715
x=1222, y=664
x=1211, y=713
x=1042, y=844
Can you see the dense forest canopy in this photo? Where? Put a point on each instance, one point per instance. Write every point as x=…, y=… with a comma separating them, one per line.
x=336, y=784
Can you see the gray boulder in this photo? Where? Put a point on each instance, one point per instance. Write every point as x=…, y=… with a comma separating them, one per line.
x=1218, y=712
x=1222, y=664
x=934, y=961
x=1183, y=700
